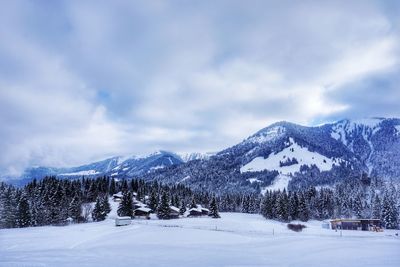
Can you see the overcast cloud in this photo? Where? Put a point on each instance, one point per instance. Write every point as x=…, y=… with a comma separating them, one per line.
x=84, y=80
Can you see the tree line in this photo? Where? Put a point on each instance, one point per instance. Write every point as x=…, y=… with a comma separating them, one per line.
x=53, y=201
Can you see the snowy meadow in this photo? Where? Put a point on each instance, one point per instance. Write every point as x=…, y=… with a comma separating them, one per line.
x=234, y=240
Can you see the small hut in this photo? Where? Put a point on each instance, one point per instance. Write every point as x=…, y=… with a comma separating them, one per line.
x=121, y=221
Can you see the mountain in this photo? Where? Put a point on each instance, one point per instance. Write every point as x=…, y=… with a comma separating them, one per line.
x=289, y=155
x=118, y=167
x=282, y=155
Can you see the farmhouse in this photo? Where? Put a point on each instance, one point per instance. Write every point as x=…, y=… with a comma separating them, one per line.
x=356, y=224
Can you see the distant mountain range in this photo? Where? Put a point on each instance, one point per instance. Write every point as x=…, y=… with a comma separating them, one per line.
x=281, y=155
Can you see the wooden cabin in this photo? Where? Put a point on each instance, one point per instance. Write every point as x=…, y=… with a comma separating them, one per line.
x=143, y=212
x=174, y=212
x=356, y=224
x=199, y=211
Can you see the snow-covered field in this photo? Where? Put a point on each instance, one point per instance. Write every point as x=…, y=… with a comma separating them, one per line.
x=233, y=240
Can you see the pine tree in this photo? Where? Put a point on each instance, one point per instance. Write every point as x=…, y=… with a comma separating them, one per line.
x=293, y=207
x=193, y=204
x=125, y=208
x=8, y=216
x=113, y=188
x=105, y=205
x=75, y=209
x=24, y=215
x=245, y=204
x=282, y=206
x=389, y=212
x=163, y=211
x=214, y=209
x=182, y=209
x=153, y=201
x=98, y=213
x=357, y=207
x=304, y=214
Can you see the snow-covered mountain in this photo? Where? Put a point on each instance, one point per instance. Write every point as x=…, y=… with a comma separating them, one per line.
x=279, y=156
x=286, y=154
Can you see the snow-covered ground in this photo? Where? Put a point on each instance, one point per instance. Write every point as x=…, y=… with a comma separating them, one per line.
x=234, y=240
x=294, y=150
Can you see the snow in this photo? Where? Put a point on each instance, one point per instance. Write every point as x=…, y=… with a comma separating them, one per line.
x=254, y=180
x=185, y=178
x=302, y=154
x=268, y=135
x=186, y=157
x=158, y=167
x=144, y=209
x=234, y=240
x=369, y=122
x=88, y=172
x=280, y=182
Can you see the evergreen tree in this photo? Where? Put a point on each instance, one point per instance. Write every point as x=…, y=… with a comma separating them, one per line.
x=163, y=211
x=113, y=187
x=182, y=209
x=304, y=214
x=75, y=209
x=125, y=208
x=214, y=209
x=293, y=207
x=357, y=207
x=193, y=204
x=98, y=213
x=389, y=212
x=245, y=204
x=105, y=205
x=24, y=215
x=153, y=201
x=282, y=206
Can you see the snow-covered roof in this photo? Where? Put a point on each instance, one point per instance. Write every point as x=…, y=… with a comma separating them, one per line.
x=124, y=218
x=174, y=208
x=119, y=194
x=143, y=209
x=195, y=209
x=204, y=209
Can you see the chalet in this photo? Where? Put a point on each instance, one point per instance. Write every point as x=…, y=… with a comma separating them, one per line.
x=117, y=197
x=174, y=212
x=199, y=211
x=143, y=212
x=356, y=224
x=121, y=221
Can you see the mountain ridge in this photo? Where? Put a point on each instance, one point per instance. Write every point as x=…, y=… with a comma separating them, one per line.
x=343, y=148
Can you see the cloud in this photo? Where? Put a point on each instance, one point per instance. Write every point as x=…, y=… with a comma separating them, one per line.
x=81, y=81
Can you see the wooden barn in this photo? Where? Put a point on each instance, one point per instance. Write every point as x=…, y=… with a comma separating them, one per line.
x=356, y=224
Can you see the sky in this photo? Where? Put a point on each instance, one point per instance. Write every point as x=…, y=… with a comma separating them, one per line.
x=86, y=80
